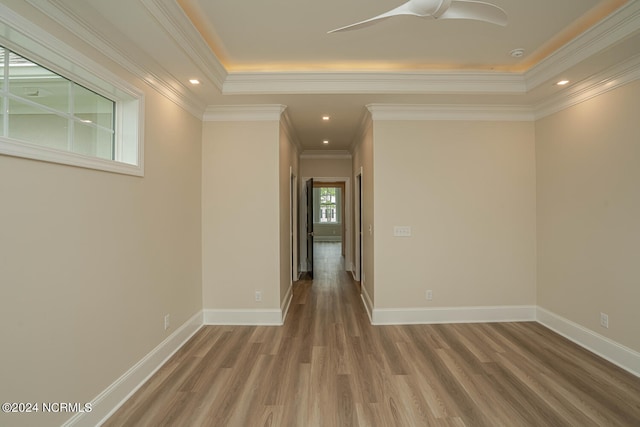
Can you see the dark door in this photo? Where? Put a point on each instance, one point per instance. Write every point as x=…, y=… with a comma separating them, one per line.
x=309, y=192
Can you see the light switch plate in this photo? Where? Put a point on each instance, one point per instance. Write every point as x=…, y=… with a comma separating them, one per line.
x=402, y=231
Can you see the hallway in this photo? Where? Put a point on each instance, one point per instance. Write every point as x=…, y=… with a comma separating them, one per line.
x=328, y=366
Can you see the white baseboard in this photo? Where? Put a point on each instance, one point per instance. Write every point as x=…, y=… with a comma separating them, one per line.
x=286, y=303
x=107, y=402
x=266, y=317
x=408, y=316
x=604, y=347
x=368, y=304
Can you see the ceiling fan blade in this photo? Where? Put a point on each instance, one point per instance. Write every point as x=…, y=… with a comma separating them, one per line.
x=476, y=10
x=400, y=10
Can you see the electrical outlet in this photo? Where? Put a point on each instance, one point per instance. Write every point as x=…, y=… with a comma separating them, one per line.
x=258, y=296
x=166, y=322
x=604, y=320
x=429, y=295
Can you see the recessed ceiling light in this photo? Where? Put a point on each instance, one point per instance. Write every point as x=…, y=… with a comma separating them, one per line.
x=562, y=82
x=325, y=118
x=194, y=81
x=325, y=141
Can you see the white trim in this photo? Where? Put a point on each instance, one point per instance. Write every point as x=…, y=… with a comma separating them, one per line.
x=35, y=44
x=178, y=26
x=325, y=154
x=133, y=60
x=262, y=317
x=27, y=150
x=286, y=303
x=610, y=31
x=410, y=316
x=423, y=82
x=606, y=33
x=604, y=347
x=366, y=300
x=380, y=112
x=239, y=113
x=107, y=402
x=598, y=84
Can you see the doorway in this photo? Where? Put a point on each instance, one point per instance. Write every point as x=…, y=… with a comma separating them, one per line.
x=324, y=220
x=329, y=214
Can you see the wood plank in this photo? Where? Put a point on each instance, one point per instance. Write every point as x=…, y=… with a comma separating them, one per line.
x=328, y=366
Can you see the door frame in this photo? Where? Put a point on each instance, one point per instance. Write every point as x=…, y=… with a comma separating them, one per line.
x=346, y=221
x=357, y=270
x=293, y=225
x=341, y=185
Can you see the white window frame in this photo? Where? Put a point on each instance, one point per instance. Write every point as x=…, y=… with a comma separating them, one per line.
x=28, y=40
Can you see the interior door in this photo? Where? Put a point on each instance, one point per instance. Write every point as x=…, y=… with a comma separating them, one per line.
x=309, y=192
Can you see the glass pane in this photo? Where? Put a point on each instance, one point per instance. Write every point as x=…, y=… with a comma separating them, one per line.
x=3, y=52
x=37, y=84
x=92, y=141
x=91, y=107
x=32, y=124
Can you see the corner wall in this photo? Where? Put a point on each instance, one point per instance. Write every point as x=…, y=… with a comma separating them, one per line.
x=363, y=157
x=287, y=166
x=588, y=226
x=240, y=213
x=91, y=261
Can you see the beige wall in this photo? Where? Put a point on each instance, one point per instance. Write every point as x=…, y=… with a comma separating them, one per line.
x=240, y=214
x=325, y=167
x=467, y=189
x=363, y=164
x=287, y=166
x=588, y=167
x=90, y=262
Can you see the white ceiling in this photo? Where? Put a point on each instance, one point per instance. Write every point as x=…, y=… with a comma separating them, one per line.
x=279, y=52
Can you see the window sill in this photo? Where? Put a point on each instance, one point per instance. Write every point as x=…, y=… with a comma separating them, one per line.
x=15, y=148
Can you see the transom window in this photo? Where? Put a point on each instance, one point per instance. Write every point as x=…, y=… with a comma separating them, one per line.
x=58, y=105
x=44, y=108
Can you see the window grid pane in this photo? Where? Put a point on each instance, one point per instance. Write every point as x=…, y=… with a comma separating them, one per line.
x=49, y=110
x=326, y=210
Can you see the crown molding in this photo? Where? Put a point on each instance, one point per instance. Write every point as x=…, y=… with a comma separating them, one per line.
x=168, y=14
x=234, y=113
x=610, y=79
x=325, y=154
x=383, y=112
x=454, y=82
x=177, y=25
x=151, y=73
x=611, y=30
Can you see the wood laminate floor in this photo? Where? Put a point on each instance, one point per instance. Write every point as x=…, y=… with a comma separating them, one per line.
x=328, y=366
